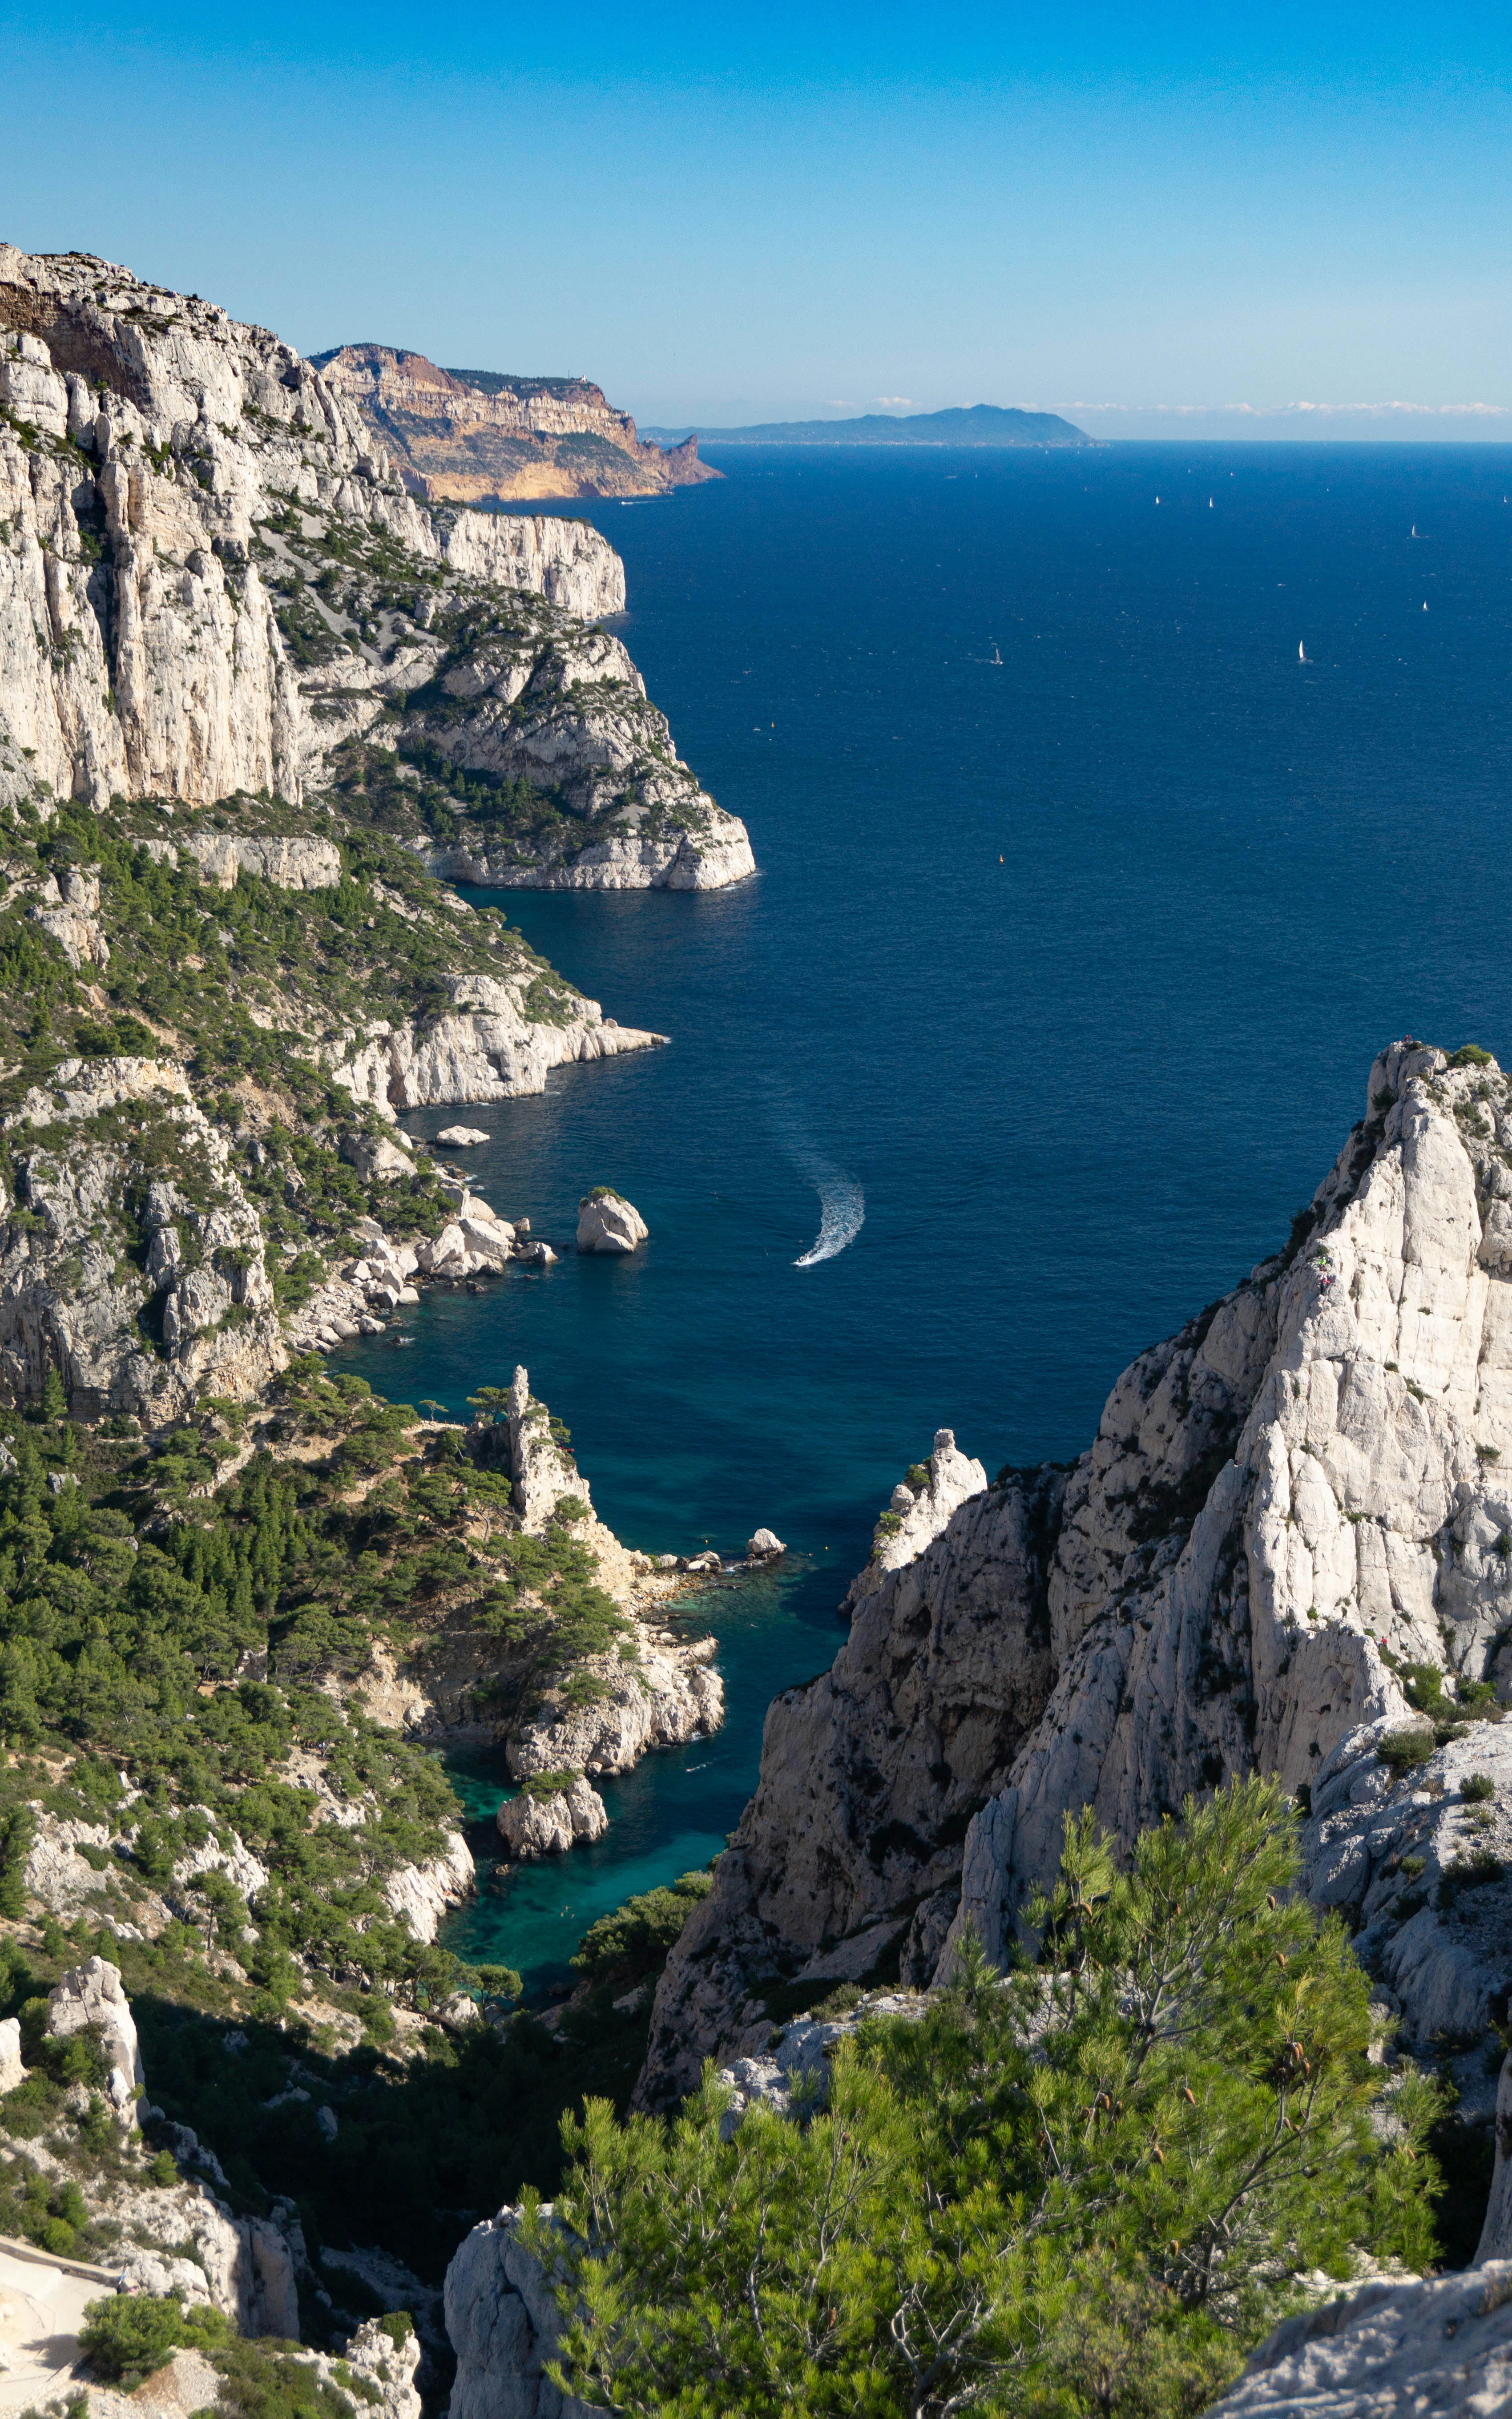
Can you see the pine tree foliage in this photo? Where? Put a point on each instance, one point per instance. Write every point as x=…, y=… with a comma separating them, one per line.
x=1087, y=2187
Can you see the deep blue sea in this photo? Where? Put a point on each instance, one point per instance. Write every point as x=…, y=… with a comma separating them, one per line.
x=1072, y=964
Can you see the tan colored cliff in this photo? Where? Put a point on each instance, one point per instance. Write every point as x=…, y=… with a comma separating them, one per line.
x=468, y=438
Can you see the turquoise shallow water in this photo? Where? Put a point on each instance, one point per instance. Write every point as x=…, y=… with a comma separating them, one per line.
x=669, y=1815
x=1073, y=963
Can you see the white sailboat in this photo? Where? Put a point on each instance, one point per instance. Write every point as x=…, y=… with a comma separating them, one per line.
x=1302, y=653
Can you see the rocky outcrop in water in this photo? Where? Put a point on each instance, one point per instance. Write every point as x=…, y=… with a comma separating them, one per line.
x=488, y=1048
x=667, y=1694
x=1292, y=1523
x=470, y=436
x=548, y=1824
x=608, y=1222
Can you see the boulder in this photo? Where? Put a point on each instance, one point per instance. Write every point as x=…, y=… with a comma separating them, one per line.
x=606, y=1222
x=444, y=1254
x=375, y=1159
x=765, y=1546
x=12, y=2073
x=461, y=1137
x=538, y=1256
x=534, y=1826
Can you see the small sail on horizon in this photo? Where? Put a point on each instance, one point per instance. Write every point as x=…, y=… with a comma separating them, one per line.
x=1301, y=652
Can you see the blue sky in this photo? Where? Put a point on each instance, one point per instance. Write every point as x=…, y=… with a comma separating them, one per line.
x=1122, y=213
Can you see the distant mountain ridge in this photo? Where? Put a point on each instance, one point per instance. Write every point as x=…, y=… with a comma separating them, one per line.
x=978, y=423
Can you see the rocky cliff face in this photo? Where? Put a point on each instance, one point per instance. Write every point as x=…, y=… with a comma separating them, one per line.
x=467, y=436
x=1437, y=2343
x=211, y=581
x=504, y=2326
x=1291, y=1526
x=102, y=1133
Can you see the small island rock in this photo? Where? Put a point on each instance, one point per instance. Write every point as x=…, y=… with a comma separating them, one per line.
x=765, y=1546
x=533, y=1825
x=608, y=1222
x=457, y=1138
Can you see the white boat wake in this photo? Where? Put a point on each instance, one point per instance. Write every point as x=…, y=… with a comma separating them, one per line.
x=841, y=1210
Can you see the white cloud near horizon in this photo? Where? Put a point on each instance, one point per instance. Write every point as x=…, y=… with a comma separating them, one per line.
x=1320, y=410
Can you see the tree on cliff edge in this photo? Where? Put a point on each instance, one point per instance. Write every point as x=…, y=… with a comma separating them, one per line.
x=1087, y=2188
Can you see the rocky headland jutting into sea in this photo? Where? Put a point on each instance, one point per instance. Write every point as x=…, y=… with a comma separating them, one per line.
x=475, y=436
x=254, y=698
x=215, y=585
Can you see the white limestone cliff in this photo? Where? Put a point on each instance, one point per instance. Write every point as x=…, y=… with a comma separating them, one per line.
x=487, y=1049
x=921, y=1507
x=503, y=2323
x=92, y=1998
x=169, y=479
x=666, y=1694
x=179, y=429
x=1287, y=1503
x=423, y=1895
x=68, y=1302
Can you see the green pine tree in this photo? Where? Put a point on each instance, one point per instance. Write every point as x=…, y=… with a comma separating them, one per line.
x=1087, y=2187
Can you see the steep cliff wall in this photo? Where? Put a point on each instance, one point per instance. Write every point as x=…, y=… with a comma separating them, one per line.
x=1292, y=1519
x=467, y=436
x=212, y=580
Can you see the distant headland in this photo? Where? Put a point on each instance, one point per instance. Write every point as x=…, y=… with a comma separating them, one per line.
x=982, y=424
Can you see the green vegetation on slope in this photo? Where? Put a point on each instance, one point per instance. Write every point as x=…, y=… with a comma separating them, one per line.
x=1087, y=2189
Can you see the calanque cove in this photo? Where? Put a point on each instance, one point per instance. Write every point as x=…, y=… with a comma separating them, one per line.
x=1103, y=2003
